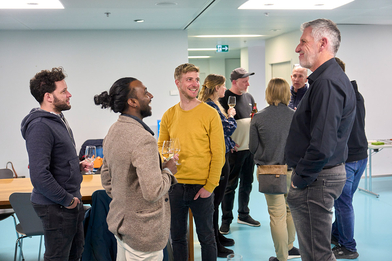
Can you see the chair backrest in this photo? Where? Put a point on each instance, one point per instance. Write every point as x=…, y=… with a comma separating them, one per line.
x=6, y=174
x=28, y=218
x=97, y=143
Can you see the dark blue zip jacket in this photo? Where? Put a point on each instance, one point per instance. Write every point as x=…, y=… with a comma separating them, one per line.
x=53, y=162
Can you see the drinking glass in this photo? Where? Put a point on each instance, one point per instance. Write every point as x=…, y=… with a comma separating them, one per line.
x=176, y=147
x=167, y=150
x=90, y=155
x=234, y=257
x=231, y=101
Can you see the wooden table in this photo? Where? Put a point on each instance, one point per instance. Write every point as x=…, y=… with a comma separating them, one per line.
x=90, y=184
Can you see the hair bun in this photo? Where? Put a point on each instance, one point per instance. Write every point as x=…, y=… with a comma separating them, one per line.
x=102, y=99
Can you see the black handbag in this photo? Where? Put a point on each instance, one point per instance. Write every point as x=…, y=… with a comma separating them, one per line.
x=272, y=179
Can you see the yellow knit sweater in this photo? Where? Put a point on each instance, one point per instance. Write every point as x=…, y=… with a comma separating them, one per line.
x=202, y=142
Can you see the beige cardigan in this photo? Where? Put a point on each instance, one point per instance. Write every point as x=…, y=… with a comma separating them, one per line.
x=139, y=212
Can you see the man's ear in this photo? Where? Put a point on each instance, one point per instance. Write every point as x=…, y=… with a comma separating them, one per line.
x=324, y=42
x=132, y=102
x=48, y=97
x=177, y=82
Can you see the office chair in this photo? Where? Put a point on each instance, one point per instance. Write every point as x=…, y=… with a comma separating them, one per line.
x=5, y=213
x=29, y=222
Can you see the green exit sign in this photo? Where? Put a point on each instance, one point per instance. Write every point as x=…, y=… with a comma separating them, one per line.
x=222, y=48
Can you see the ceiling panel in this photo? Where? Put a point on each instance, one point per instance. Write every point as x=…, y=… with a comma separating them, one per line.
x=198, y=17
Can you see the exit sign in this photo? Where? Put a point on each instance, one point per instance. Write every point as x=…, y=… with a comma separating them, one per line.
x=222, y=48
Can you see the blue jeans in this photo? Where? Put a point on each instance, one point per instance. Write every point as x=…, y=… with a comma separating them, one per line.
x=311, y=209
x=181, y=199
x=63, y=231
x=343, y=227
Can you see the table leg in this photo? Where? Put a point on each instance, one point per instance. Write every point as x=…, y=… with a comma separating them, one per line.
x=191, y=254
x=368, y=181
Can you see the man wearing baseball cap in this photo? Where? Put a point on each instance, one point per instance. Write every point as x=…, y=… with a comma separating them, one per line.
x=241, y=160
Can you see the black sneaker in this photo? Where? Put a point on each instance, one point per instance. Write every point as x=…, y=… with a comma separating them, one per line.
x=341, y=252
x=294, y=253
x=334, y=241
x=223, y=251
x=248, y=220
x=272, y=258
x=225, y=241
x=225, y=228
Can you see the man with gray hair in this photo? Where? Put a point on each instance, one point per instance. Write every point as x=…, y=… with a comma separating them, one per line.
x=316, y=146
x=299, y=77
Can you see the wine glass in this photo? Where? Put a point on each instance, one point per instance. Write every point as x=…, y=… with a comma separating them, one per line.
x=167, y=150
x=234, y=257
x=90, y=155
x=231, y=101
x=176, y=147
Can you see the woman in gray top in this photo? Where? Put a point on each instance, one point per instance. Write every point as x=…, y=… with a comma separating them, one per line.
x=268, y=133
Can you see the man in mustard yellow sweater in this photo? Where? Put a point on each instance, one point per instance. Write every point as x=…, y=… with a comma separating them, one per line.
x=199, y=130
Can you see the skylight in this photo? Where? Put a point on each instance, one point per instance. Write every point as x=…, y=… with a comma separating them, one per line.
x=31, y=4
x=294, y=5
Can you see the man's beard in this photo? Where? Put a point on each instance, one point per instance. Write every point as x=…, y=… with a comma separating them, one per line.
x=146, y=112
x=60, y=106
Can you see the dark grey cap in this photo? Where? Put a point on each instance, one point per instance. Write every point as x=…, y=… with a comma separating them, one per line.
x=239, y=73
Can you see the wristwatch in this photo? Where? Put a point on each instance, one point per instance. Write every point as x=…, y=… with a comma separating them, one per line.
x=72, y=201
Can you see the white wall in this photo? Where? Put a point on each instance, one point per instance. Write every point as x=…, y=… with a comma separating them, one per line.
x=365, y=50
x=256, y=60
x=93, y=60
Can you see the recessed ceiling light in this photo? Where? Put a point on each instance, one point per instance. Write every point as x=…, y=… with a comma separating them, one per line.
x=199, y=57
x=201, y=49
x=166, y=4
x=294, y=5
x=139, y=21
x=28, y=4
x=229, y=36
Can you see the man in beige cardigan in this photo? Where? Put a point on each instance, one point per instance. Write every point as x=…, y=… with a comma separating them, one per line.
x=132, y=175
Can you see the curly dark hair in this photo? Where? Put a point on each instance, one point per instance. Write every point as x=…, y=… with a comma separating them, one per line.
x=118, y=95
x=44, y=82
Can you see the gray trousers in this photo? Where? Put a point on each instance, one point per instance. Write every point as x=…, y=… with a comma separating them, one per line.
x=312, y=210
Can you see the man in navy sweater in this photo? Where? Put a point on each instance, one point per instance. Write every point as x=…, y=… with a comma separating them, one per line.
x=55, y=170
x=343, y=227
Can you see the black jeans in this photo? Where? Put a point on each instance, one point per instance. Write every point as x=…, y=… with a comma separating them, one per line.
x=219, y=193
x=63, y=231
x=241, y=167
x=181, y=199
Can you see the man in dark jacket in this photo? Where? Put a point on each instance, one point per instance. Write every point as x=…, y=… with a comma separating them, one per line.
x=55, y=170
x=343, y=227
x=299, y=77
x=316, y=146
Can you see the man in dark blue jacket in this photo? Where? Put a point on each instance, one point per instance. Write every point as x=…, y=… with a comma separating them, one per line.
x=299, y=77
x=343, y=227
x=55, y=170
x=316, y=146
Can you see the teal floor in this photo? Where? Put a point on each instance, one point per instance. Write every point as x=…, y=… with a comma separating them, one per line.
x=373, y=229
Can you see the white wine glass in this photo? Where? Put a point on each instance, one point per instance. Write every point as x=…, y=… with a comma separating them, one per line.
x=167, y=150
x=176, y=147
x=234, y=257
x=90, y=155
x=231, y=101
